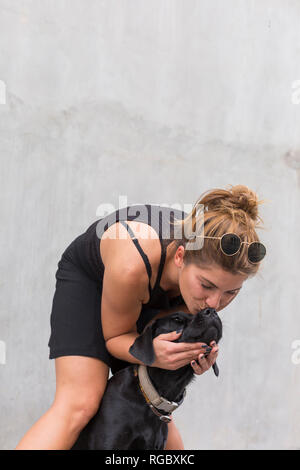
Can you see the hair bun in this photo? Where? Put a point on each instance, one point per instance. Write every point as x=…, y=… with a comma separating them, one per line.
x=245, y=199
x=232, y=199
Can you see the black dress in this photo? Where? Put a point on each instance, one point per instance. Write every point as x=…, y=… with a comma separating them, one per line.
x=76, y=308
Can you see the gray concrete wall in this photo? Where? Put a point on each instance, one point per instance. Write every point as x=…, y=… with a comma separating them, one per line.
x=157, y=100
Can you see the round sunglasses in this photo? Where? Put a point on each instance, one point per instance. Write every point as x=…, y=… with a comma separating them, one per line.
x=230, y=244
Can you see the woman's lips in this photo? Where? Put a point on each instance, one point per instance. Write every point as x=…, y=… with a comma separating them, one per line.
x=201, y=307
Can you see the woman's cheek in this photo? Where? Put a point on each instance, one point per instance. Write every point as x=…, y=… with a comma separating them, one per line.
x=227, y=301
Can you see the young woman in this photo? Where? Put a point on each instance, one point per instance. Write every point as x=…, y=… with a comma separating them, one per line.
x=123, y=271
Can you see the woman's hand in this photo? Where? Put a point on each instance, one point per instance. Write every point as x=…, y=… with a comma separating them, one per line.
x=206, y=360
x=172, y=356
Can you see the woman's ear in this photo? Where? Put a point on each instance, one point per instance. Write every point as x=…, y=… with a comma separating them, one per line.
x=142, y=348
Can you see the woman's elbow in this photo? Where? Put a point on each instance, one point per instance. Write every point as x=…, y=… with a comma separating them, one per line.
x=109, y=343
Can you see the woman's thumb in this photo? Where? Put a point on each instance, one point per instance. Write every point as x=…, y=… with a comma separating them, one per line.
x=171, y=336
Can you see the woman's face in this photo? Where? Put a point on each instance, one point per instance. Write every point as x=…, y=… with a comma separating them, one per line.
x=209, y=286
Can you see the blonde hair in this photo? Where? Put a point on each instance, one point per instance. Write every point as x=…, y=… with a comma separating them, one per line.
x=222, y=210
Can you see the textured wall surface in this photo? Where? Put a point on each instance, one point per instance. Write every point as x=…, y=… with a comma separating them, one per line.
x=160, y=101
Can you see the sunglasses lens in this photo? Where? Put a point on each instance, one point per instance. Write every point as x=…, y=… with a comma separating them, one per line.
x=230, y=243
x=256, y=252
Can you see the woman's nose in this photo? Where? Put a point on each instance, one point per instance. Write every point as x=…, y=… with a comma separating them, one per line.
x=213, y=301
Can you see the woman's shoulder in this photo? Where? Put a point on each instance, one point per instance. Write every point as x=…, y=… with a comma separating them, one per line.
x=117, y=248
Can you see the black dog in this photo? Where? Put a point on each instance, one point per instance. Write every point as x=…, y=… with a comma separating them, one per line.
x=139, y=400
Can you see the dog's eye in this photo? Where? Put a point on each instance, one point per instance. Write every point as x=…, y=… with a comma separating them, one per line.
x=178, y=319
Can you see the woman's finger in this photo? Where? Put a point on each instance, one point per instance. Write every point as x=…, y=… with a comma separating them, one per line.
x=172, y=336
x=201, y=366
x=179, y=347
x=212, y=356
x=184, y=347
x=206, y=360
x=184, y=358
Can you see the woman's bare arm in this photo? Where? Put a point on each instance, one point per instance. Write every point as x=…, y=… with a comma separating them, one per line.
x=120, y=308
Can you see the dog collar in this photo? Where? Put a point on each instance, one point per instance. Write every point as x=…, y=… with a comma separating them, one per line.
x=154, y=400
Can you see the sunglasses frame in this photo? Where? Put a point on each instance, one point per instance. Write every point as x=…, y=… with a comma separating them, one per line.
x=241, y=243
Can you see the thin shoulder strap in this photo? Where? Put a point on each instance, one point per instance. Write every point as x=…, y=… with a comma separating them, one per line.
x=143, y=254
x=163, y=252
x=161, y=264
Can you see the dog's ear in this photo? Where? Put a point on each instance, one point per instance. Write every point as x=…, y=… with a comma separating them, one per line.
x=216, y=369
x=142, y=348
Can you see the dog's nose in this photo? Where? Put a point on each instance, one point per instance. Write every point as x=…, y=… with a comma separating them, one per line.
x=209, y=311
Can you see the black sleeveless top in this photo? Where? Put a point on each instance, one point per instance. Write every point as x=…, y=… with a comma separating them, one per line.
x=84, y=251
x=160, y=218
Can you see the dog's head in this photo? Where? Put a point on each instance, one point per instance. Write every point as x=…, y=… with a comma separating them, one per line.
x=204, y=327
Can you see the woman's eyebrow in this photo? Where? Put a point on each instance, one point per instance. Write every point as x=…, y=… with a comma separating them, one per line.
x=207, y=280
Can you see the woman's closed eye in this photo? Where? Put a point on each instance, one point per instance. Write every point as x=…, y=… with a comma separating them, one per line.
x=211, y=287
x=206, y=287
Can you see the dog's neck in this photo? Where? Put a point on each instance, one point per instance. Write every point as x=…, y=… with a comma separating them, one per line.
x=162, y=378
